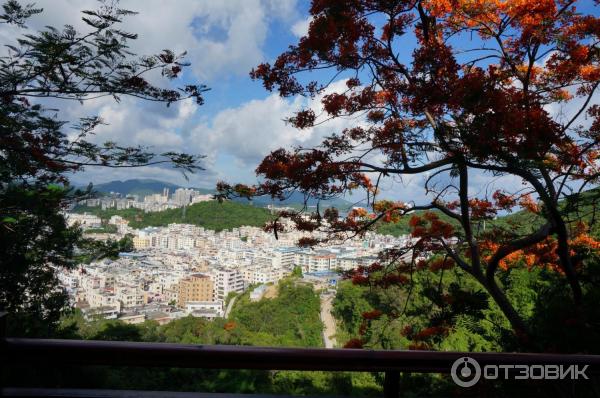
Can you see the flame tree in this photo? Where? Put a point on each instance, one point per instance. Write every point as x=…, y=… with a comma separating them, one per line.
x=473, y=97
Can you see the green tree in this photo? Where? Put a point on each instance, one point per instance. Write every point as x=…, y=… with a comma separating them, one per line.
x=36, y=156
x=290, y=319
x=349, y=304
x=297, y=272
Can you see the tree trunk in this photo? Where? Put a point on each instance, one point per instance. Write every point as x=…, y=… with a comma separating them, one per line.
x=563, y=250
x=520, y=329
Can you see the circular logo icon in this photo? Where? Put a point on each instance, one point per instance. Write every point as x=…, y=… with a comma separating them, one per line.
x=465, y=372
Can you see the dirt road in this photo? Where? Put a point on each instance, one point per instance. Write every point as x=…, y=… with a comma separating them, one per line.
x=229, y=307
x=328, y=320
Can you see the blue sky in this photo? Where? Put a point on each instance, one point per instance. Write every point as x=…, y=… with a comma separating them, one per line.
x=240, y=121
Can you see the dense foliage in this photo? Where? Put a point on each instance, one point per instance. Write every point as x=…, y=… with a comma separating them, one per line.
x=38, y=72
x=585, y=210
x=402, y=225
x=90, y=249
x=387, y=318
x=290, y=319
x=210, y=215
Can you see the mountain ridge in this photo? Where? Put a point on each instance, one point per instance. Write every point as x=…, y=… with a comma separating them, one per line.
x=148, y=186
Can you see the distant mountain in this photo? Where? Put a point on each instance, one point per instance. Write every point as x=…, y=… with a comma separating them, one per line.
x=297, y=199
x=141, y=187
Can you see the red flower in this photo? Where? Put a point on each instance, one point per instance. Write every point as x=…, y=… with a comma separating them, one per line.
x=354, y=343
x=358, y=279
x=375, y=314
x=229, y=326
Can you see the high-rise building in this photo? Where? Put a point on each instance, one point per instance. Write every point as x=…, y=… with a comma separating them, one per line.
x=196, y=287
x=183, y=196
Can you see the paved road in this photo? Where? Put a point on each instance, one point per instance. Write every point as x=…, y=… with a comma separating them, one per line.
x=328, y=321
x=229, y=307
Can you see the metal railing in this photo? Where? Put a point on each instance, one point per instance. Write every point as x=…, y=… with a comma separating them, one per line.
x=22, y=351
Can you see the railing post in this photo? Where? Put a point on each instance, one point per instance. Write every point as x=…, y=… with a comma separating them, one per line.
x=391, y=384
x=3, y=316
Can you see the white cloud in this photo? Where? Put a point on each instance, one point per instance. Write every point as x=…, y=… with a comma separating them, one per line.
x=243, y=25
x=252, y=130
x=223, y=39
x=218, y=34
x=300, y=28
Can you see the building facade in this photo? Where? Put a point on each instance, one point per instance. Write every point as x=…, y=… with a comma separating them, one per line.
x=196, y=287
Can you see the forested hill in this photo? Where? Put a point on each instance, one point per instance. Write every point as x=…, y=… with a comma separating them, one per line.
x=227, y=215
x=522, y=220
x=210, y=215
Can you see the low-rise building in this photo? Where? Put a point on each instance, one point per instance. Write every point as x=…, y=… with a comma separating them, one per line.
x=204, y=309
x=85, y=220
x=133, y=319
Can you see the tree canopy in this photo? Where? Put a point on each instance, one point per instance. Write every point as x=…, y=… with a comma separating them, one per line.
x=476, y=96
x=37, y=154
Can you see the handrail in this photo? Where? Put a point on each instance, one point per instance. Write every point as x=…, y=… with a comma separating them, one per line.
x=122, y=353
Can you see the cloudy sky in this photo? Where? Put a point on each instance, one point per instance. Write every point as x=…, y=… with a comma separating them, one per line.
x=240, y=121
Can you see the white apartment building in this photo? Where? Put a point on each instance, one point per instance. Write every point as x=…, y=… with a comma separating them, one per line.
x=205, y=309
x=226, y=281
x=315, y=261
x=257, y=273
x=116, y=220
x=285, y=256
x=97, y=298
x=185, y=196
x=69, y=280
x=130, y=296
x=89, y=282
x=202, y=198
x=85, y=220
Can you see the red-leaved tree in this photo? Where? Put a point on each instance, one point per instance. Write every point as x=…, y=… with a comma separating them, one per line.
x=478, y=94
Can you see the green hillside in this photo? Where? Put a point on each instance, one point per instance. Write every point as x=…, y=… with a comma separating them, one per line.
x=210, y=215
x=526, y=222
x=227, y=215
x=523, y=221
x=402, y=227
